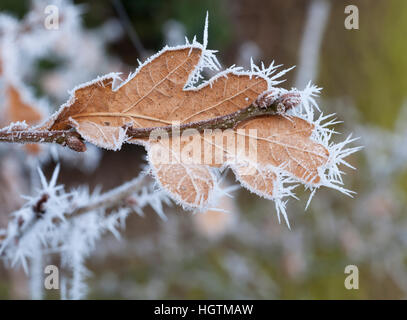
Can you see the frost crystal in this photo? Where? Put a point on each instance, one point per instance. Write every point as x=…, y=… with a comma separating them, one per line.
x=50, y=222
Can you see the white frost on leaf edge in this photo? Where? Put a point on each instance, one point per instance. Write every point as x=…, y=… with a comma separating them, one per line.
x=330, y=174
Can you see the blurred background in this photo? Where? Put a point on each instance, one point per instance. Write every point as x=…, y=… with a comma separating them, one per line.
x=244, y=253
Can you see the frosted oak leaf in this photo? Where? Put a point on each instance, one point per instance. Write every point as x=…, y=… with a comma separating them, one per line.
x=156, y=95
x=279, y=150
x=281, y=145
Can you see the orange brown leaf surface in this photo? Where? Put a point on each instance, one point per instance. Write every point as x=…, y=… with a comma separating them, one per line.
x=154, y=97
x=280, y=142
x=18, y=110
x=286, y=142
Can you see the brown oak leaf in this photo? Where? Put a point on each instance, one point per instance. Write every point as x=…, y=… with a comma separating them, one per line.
x=281, y=144
x=286, y=142
x=155, y=96
x=17, y=109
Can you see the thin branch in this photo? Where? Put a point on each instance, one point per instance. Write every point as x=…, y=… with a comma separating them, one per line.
x=264, y=105
x=113, y=198
x=131, y=32
x=68, y=138
x=110, y=200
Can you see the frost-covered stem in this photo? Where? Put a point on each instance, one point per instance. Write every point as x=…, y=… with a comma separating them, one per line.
x=109, y=200
x=113, y=198
x=222, y=122
x=68, y=138
x=266, y=104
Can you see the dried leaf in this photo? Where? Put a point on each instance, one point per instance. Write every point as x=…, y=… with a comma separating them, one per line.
x=285, y=142
x=190, y=184
x=281, y=144
x=19, y=110
x=155, y=96
x=261, y=180
x=265, y=152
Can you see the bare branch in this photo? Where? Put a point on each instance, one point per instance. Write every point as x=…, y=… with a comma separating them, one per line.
x=264, y=105
x=113, y=198
x=68, y=138
x=110, y=200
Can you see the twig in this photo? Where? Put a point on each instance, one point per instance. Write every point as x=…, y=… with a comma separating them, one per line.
x=112, y=199
x=70, y=138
